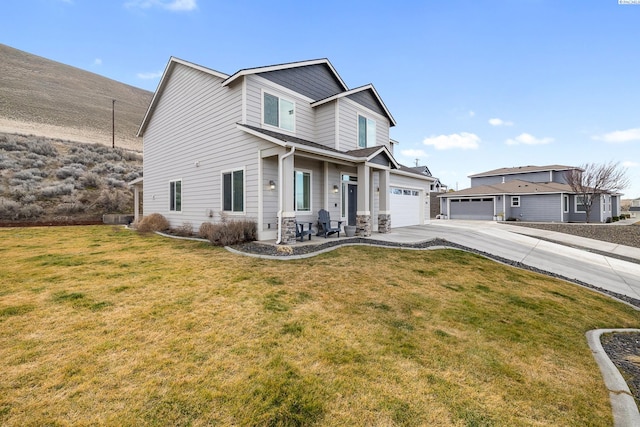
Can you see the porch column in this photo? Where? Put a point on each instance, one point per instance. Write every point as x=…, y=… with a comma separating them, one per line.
x=384, y=202
x=136, y=203
x=288, y=218
x=363, y=214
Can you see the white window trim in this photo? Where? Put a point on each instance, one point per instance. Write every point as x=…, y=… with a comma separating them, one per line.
x=267, y=125
x=515, y=202
x=295, y=207
x=565, y=203
x=576, y=204
x=244, y=190
x=368, y=144
x=181, y=193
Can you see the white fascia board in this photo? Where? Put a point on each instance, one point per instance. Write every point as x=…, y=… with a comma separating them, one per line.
x=163, y=82
x=356, y=90
x=413, y=175
x=386, y=150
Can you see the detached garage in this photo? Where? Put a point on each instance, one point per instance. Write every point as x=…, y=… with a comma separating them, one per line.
x=480, y=208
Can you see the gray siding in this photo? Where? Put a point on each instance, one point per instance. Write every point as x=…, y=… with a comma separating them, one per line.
x=366, y=99
x=192, y=136
x=270, y=197
x=530, y=177
x=348, y=125
x=560, y=177
x=313, y=81
x=326, y=124
x=305, y=115
x=536, y=207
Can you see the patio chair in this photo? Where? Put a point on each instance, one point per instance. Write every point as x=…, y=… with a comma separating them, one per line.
x=301, y=232
x=325, y=229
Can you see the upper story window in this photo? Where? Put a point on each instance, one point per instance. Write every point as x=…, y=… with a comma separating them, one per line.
x=366, y=132
x=175, y=196
x=278, y=112
x=233, y=191
x=515, y=201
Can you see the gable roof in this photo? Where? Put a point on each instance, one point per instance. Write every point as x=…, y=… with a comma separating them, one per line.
x=278, y=67
x=363, y=154
x=514, y=187
x=368, y=87
x=523, y=169
x=173, y=61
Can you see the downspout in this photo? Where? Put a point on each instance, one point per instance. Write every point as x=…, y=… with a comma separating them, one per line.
x=281, y=195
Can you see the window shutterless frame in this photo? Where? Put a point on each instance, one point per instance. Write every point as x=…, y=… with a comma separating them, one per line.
x=302, y=190
x=233, y=191
x=278, y=112
x=366, y=131
x=175, y=195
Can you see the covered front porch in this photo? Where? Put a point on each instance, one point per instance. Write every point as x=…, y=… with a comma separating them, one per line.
x=298, y=181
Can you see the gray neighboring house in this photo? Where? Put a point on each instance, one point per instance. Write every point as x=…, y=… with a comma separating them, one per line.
x=527, y=193
x=275, y=145
x=635, y=205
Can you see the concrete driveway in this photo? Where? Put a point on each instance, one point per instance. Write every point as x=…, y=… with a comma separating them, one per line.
x=511, y=243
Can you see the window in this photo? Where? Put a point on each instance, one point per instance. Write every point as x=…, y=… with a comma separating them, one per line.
x=580, y=205
x=565, y=203
x=278, y=112
x=366, y=132
x=175, y=196
x=233, y=191
x=302, y=191
x=515, y=201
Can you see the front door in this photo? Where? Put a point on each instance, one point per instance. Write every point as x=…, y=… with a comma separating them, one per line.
x=352, y=203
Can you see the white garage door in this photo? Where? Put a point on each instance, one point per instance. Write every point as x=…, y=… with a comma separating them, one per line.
x=471, y=209
x=405, y=207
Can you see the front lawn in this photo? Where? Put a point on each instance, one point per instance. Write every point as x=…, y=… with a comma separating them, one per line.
x=102, y=326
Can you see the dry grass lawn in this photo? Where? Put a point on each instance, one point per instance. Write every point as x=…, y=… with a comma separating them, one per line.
x=102, y=326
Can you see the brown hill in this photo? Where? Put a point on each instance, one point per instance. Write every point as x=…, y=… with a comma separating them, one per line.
x=46, y=98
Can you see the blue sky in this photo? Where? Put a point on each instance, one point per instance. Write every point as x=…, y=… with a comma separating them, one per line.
x=474, y=85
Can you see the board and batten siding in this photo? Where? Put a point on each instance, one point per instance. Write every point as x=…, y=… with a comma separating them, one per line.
x=348, y=125
x=192, y=137
x=305, y=116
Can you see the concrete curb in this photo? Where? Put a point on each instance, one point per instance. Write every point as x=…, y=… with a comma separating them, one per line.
x=623, y=405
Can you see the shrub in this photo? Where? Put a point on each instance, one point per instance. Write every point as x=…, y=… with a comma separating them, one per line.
x=74, y=170
x=185, y=230
x=91, y=180
x=42, y=147
x=56, y=190
x=206, y=230
x=11, y=210
x=151, y=223
x=114, y=201
x=233, y=232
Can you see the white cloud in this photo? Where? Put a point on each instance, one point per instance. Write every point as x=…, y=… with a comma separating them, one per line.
x=472, y=113
x=630, y=164
x=619, y=136
x=499, y=122
x=413, y=153
x=173, y=5
x=97, y=61
x=462, y=140
x=528, y=139
x=149, y=76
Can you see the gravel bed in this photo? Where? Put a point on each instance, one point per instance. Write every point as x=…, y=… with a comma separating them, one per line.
x=624, y=351
x=627, y=235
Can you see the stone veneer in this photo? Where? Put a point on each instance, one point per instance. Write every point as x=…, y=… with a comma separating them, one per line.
x=363, y=225
x=384, y=223
x=288, y=236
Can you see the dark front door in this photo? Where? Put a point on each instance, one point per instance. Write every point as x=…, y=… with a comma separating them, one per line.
x=352, y=204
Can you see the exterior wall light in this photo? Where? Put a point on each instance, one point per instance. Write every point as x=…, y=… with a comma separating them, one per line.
x=272, y=185
x=335, y=188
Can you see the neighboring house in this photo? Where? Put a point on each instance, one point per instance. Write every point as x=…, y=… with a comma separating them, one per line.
x=275, y=145
x=635, y=205
x=527, y=193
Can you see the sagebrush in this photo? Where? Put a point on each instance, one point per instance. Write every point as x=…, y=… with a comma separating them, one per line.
x=229, y=232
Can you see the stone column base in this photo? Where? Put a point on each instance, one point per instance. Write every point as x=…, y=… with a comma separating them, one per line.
x=384, y=223
x=288, y=235
x=363, y=225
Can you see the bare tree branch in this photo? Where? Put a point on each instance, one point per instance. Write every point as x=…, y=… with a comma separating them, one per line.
x=592, y=180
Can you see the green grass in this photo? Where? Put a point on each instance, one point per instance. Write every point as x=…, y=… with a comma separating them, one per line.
x=155, y=331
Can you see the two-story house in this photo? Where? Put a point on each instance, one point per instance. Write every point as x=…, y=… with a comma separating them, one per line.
x=527, y=193
x=274, y=144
